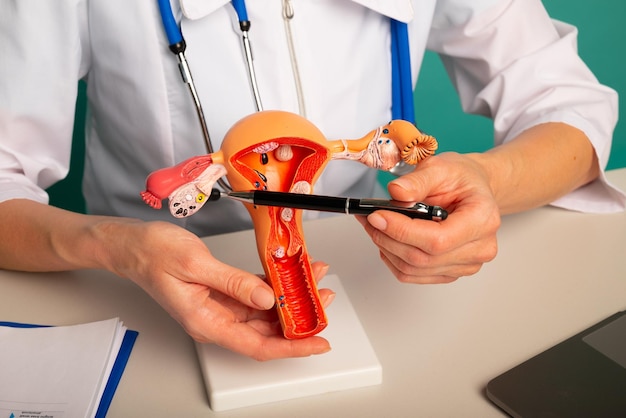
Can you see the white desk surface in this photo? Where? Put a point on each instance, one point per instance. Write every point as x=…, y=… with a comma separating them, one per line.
x=557, y=272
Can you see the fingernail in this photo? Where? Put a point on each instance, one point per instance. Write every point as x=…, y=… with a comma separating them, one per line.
x=329, y=299
x=324, y=269
x=263, y=298
x=403, y=183
x=377, y=221
x=325, y=350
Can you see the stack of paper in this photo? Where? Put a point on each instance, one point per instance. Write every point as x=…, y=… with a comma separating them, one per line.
x=69, y=371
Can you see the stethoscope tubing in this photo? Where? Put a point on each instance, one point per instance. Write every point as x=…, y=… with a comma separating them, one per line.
x=402, y=106
x=402, y=86
x=240, y=8
x=178, y=46
x=172, y=31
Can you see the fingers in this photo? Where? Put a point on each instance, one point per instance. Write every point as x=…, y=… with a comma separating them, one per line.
x=408, y=188
x=212, y=301
x=406, y=277
x=395, y=231
x=251, y=330
x=259, y=336
x=320, y=269
x=327, y=296
x=240, y=285
x=261, y=342
x=429, y=274
x=248, y=288
x=423, y=182
x=267, y=341
x=163, y=254
x=221, y=320
x=420, y=251
x=264, y=348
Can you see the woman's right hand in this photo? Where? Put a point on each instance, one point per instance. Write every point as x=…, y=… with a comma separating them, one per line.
x=214, y=302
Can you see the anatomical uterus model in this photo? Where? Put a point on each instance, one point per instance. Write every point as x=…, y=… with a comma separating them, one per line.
x=281, y=151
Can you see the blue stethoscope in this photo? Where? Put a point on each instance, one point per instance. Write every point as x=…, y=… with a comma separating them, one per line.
x=401, y=84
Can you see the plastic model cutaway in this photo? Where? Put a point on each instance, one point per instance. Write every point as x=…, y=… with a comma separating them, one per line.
x=281, y=151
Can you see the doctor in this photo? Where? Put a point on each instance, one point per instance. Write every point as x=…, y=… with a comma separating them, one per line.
x=328, y=60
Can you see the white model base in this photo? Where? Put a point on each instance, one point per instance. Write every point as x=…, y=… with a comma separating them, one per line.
x=234, y=381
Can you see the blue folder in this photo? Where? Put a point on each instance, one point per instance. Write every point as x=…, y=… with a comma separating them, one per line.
x=119, y=365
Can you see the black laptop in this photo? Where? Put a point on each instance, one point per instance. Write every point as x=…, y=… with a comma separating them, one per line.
x=583, y=376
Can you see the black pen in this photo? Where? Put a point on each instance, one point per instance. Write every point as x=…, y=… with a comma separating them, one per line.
x=345, y=205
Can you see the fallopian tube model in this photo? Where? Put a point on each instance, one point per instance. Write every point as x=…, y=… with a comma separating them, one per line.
x=281, y=151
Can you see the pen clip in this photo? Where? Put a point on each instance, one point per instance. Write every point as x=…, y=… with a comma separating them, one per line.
x=393, y=205
x=412, y=210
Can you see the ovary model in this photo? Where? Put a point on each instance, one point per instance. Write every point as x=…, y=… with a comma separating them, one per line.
x=281, y=151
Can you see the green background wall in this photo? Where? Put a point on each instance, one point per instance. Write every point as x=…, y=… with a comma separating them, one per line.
x=602, y=32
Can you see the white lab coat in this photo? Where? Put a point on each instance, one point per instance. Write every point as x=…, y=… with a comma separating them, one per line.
x=507, y=59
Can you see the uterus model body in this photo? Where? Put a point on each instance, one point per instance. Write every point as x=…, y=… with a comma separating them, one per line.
x=281, y=151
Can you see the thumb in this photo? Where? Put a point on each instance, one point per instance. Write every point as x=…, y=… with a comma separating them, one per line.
x=408, y=188
x=419, y=184
x=245, y=287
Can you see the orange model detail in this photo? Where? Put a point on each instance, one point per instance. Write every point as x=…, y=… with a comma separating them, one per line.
x=281, y=151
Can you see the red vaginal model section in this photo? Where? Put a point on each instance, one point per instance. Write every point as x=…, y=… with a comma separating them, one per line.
x=297, y=300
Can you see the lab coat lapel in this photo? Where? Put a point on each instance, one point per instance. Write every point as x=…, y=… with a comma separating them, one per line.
x=197, y=9
x=401, y=10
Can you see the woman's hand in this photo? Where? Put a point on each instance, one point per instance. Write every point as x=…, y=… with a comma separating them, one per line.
x=533, y=169
x=213, y=302
x=421, y=251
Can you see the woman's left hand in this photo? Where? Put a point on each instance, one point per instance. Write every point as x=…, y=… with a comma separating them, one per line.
x=423, y=251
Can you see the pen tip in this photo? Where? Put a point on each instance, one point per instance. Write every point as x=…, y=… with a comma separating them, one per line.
x=215, y=194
